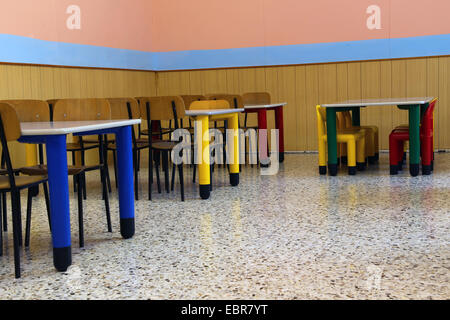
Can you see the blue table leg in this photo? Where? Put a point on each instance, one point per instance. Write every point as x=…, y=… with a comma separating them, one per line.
x=125, y=177
x=59, y=201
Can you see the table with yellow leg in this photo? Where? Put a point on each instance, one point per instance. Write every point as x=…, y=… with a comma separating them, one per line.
x=203, y=117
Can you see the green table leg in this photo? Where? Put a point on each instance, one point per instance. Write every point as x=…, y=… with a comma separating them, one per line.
x=414, y=139
x=332, y=141
x=356, y=117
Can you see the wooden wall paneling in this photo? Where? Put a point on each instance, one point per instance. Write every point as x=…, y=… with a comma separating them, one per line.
x=26, y=83
x=444, y=101
x=342, y=81
x=302, y=108
x=433, y=91
x=35, y=81
x=4, y=87
x=286, y=89
x=15, y=82
x=312, y=99
x=371, y=88
x=195, y=82
x=399, y=90
x=232, y=80
x=386, y=92
x=273, y=78
x=260, y=80
x=247, y=80
x=222, y=81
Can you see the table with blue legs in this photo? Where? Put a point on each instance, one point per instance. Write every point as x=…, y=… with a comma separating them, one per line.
x=414, y=106
x=53, y=135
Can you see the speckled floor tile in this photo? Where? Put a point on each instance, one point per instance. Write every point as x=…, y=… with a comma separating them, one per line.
x=296, y=235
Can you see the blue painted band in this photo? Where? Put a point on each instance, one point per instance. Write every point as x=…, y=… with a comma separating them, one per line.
x=17, y=49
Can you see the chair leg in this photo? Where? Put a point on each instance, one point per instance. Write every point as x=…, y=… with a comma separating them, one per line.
x=15, y=204
x=193, y=173
x=106, y=199
x=28, y=221
x=180, y=171
x=80, y=212
x=83, y=179
x=158, y=181
x=211, y=170
x=1, y=232
x=150, y=173
x=47, y=204
x=5, y=212
x=115, y=168
x=73, y=178
x=136, y=175
x=105, y=159
x=166, y=170
x=138, y=160
x=174, y=171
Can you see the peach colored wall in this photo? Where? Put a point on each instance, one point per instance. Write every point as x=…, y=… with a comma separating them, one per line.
x=173, y=25
x=217, y=24
x=124, y=24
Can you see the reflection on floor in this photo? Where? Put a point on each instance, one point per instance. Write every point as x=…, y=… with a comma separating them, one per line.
x=295, y=235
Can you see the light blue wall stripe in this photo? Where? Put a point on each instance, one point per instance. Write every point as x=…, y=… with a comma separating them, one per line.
x=18, y=49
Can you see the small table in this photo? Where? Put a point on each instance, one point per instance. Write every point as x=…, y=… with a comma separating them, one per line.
x=204, y=117
x=53, y=135
x=415, y=107
x=262, y=109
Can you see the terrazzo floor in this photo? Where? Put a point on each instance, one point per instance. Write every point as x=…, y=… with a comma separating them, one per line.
x=295, y=235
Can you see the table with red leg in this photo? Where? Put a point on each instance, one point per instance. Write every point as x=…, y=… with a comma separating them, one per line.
x=261, y=110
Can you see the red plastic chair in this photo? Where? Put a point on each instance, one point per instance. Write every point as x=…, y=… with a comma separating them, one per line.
x=399, y=135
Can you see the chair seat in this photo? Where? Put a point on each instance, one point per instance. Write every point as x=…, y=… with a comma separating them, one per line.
x=345, y=135
x=164, y=145
x=74, y=146
x=94, y=140
x=21, y=181
x=163, y=131
x=140, y=145
x=41, y=170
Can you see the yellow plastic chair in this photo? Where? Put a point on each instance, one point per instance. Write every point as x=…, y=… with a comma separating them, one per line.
x=354, y=139
x=344, y=121
x=372, y=137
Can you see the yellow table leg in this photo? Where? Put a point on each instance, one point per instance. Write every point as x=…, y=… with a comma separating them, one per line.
x=233, y=124
x=31, y=154
x=203, y=156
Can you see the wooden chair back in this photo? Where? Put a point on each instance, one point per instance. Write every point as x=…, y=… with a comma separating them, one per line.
x=256, y=98
x=10, y=123
x=162, y=108
x=119, y=108
x=210, y=105
x=30, y=110
x=234, y=100
x=81, y=110
x=189, y=99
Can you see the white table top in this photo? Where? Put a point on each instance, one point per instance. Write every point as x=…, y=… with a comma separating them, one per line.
x=265, y=106
x=379, y=102
x=212, y=112
x=66, y=127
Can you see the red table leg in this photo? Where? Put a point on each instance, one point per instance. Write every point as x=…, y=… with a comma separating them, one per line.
x=279, y=125
x=262, y=140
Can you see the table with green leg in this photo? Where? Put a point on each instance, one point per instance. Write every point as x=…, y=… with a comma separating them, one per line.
x=414, y=106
